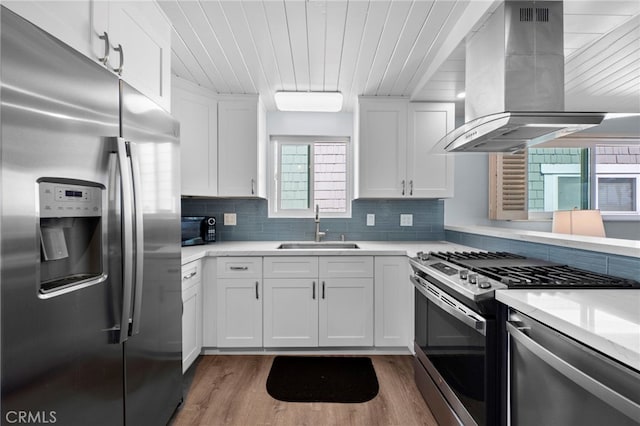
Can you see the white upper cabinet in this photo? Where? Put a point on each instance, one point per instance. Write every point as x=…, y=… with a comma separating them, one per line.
x=70, y=21
x=394, y=144
x=140, y=28
x=197, y=113
x=241, y=147
x=382, y=147
x=430, y=175
x=144, y=35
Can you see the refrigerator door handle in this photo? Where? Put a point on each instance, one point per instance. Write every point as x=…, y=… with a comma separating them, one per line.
x=127, y=232
x=138, y=237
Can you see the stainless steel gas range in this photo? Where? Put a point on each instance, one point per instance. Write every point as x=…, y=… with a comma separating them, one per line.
x=459, y=352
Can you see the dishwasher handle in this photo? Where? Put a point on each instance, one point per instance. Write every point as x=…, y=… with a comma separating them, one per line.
x=604, y=393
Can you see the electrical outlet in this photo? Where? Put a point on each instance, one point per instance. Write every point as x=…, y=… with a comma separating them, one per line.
x=406, y=220
x=230, y=219
x=371, y=219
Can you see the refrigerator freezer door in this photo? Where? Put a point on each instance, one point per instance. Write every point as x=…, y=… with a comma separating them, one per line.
x=59, y=362
x=153, y=352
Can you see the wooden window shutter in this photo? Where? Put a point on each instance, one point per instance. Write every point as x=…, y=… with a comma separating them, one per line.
x=508, y=186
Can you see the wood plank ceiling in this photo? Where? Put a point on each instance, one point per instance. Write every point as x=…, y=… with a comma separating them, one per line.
x=373, y=47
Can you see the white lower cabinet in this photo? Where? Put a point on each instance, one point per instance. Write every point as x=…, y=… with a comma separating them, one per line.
x=239, y=302
x=346, y=312
x=290, y=312
x=317, y=301
x=393, y=302
x=191, y=312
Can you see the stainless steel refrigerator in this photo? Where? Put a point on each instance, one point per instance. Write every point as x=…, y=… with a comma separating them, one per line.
x=90, y=241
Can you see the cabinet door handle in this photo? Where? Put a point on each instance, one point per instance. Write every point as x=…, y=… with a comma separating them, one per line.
x=253, y=186
x=403, y=185
x=411, y=187
x=186, y=277
x=257, y=294
x=105, y=57
x=239, y=268
x=323, y=289
x=313, y=293
x=121, y=51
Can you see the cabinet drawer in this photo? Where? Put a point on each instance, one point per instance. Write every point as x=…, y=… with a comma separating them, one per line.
x=191, y=274
x=291, y=267
x=240, y=267
x=346, y=266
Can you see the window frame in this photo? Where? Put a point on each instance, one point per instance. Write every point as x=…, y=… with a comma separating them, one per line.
x=618, y=171
x=275, y=144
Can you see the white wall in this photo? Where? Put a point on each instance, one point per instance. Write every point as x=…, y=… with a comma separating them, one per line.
x=310, y=123
x=469, y=205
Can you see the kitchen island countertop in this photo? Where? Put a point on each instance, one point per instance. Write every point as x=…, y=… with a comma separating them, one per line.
x=605, y=320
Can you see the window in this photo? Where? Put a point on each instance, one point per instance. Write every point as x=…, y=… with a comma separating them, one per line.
x=309, y=171
x=603, y=177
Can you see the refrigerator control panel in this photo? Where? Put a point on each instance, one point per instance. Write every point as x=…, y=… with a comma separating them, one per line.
x=67, y=200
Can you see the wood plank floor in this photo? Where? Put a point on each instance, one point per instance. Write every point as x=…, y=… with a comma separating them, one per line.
x=231, y=390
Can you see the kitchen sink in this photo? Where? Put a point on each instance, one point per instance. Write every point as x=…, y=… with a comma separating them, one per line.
x=313, y=245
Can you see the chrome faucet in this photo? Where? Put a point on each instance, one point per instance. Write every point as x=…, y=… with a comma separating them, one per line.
x=319, y=234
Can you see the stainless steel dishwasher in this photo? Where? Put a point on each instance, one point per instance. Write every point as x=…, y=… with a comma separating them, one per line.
x=555, y=380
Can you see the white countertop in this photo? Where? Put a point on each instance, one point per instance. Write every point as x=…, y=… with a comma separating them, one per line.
x=269, y=248
x=606, y=320
x=603, y=245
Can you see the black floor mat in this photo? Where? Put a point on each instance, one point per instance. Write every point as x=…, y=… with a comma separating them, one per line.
x=322, y=379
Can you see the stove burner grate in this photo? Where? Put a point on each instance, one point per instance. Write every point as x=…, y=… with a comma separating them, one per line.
x=521, y=272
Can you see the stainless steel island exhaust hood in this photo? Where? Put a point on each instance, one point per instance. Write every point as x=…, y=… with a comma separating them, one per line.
x=515, y=82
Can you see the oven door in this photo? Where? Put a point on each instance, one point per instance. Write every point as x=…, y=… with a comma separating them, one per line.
x=455, y=345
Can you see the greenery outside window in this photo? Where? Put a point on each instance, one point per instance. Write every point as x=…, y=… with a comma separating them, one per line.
x=307, y=171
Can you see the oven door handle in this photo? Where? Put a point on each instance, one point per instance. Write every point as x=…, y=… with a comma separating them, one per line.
x=476, y=321
x=571, y=372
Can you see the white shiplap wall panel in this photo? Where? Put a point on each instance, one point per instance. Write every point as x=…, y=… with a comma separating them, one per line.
x=279, y=35
x=357, y=13
x=394, y=25
x=193, y=45
x=612, y=51
x=447, y=26
x=316, y=25
x=296, y=17
x=336, y=25
x=178, y=67
x=384, y=47
x=376, y=18
x=430, y=31
x=595, y=23
x=260, y=34
x=248, y=47
x=407, y=44
x=221, y=28
x=613, y=78
x=202, y=27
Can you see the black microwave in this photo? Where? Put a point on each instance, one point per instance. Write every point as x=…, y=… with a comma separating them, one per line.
x=198, y=230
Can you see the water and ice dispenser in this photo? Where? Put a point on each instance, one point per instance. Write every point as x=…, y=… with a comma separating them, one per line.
x=71, y=235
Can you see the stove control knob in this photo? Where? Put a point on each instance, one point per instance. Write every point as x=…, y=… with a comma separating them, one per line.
x=473, y=278
x=464, y=273
x=483, y=282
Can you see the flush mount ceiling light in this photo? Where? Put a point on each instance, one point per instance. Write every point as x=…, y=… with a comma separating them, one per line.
x=461, y=95
x=309, y=101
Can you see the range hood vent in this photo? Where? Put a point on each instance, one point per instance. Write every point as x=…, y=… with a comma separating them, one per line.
x=515, y=82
